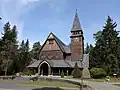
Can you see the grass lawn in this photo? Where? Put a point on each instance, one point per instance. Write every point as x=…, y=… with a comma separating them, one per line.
x=6, y=80
x=49, y=83
x=117, y=84
x=54, y=83
x=64, y=85
x=103, y=80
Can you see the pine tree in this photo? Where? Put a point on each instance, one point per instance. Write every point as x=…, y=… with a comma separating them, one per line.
x=9, y=48
x=87, y=49
x=35, y=50
x=94, y=57
x=24, y=55
x=106, y=46
x=27, y=46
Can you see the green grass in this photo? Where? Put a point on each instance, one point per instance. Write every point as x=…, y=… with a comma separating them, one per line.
x=117, y=84
x=54, y=83
x=104, y=80
x=49, y=83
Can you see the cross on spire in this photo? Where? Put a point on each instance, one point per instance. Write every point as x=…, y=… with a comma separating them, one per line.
x=76, y=10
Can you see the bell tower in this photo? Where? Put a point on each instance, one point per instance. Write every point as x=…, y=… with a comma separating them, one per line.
x=77, y=40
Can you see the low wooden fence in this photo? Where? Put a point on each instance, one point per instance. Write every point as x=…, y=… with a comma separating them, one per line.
x=7, y=77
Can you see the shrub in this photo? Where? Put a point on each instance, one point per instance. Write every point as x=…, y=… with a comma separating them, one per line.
x=34, y=71
x=76, y=73
x=85, y=73
x=27, y=72
x=108, y=77
x=98, y=72
x=62, y=75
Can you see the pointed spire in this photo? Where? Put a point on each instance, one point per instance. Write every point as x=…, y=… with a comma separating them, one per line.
x=76, y=24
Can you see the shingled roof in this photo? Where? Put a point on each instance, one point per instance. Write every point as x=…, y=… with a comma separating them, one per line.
x=62, y=46
x=76, y=23
x=64, y=63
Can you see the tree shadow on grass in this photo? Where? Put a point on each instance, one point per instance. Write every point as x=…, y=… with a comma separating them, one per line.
x=48, y=88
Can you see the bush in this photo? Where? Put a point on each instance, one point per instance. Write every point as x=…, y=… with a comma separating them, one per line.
x=108, y=78
x=76, y=73
x=27, y=72
x=98, y=72
x=85, y=73
x=62, y=75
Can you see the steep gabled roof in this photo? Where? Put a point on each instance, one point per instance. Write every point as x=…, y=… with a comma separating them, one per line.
x=62, y=46
x=76, y=23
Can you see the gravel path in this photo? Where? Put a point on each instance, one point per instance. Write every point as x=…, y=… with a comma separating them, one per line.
x=102, y=85
x=99, y=85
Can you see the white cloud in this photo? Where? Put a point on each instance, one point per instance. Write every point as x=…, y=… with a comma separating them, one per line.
x=28, y=1
x=13, y=11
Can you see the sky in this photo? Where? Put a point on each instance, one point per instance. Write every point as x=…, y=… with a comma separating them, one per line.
x=35, y=19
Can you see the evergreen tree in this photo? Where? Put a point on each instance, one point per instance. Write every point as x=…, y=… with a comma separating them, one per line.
x=8, y=48
x=24, y=55
x=21, y=60
x=27, y=46
x=94, y=57
x=106, y=46
x=76, y=73
x=27, y=53
x=22, y=47
x=35, y=50
x=87, y=49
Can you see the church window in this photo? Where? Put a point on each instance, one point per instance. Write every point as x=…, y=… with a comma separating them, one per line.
x=51, y=41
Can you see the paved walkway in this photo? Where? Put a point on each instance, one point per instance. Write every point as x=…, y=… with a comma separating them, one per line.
x=102, y=85
x=98, y=85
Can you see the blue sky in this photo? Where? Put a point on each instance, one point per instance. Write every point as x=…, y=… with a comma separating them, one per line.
x=35, y=19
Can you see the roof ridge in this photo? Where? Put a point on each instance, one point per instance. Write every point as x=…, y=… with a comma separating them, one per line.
x=63, y=46
x=58, y=39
